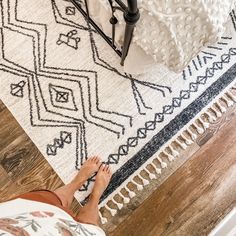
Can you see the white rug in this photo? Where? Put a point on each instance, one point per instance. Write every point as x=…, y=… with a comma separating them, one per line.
x=65, y=87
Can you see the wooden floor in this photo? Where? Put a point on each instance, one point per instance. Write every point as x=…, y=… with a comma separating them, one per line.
x=22, y=166
x=194, y=199
x=190, y=202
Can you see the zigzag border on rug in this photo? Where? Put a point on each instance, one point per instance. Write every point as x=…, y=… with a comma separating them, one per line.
x=185, y=137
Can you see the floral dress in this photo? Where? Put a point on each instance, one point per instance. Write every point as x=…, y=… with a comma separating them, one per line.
x=41, y=222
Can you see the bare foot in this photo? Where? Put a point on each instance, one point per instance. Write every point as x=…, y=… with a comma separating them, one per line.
x=102, y=180
x=89, y=213
x=66, y=192
x=87, y=169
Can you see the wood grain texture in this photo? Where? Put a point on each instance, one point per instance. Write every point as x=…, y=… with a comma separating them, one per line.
x=141, y=196
x=194, y=199
x=173, y=166
x=216, y=126
x=22, y=166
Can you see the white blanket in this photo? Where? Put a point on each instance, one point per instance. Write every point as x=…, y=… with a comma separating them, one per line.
x=168, y=32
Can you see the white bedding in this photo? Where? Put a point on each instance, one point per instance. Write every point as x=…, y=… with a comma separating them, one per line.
x=170, y=32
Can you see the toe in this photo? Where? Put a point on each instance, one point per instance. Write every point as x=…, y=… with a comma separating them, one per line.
x=107, y=167
x=98, y=160
x=109, y=171
x=103, y=166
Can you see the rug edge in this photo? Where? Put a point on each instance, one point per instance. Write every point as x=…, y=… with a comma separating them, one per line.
x=229, y=100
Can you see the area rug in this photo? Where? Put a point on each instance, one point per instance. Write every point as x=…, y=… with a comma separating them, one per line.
x=66, y=88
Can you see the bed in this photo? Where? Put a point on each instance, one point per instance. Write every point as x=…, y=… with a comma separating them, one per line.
x=145, y=33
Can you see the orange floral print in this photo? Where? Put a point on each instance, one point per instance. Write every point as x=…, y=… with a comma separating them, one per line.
x=7, y=221
x=14, y=230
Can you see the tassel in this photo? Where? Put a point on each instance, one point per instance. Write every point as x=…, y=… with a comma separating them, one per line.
x=211, y=117
x=232, y=96
x=130, y=193
x=145, y=181
x=151, y=175
x=103, y=219
x=218, y=114
x=163, y=164
x=228, y=101
x=158, y=170
x=112, y=211
x=173, y=151
x=223, y=109
x=205, y=124
x=186, y=139
x=193, y=135
x=169, y=156
x=139, y=186
x=125, y=199
x=118, y=204
x=181, y=144
x=199, y=129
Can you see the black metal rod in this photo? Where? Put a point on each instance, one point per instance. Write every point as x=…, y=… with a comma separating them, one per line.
x=121, y=4
x=132, y=6
x=113, y=34
x=129, y=28
x=131, y=16
x=107, y=39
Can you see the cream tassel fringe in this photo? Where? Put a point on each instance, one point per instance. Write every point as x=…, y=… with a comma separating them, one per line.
x=185, y=138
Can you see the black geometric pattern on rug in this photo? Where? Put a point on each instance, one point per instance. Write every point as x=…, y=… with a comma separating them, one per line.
x=62, y=97
x=36, y=83
x=168, y=109
x=204, y=57
x=69, y=39
x=153, y=86
x=101, y=62
x=165, y=134
x=60, y=19
x=174, y=125
x=79, y=125
x=17, y=90
x=70, y=11
x=233, y=18
x=65, y=137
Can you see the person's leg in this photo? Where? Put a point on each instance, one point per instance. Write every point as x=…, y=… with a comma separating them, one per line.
x=66, y=192
x=89, y=213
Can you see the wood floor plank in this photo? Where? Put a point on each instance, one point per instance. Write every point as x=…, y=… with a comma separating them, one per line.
x=4, y=178
x=22, y=167
x=195, y=197
x=216, y=126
